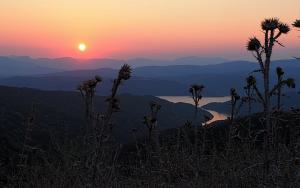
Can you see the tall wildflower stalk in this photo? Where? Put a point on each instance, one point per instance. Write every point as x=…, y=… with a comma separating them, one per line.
x=87, y=90
x=234, y=99
x=153, y=131
x=196, y=92
x=98, y=152
x=273, y=29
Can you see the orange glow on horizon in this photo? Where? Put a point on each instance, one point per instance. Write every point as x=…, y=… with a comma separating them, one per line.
x=135, y=28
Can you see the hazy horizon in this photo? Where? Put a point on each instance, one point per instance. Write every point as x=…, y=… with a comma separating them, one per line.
x=224, y=59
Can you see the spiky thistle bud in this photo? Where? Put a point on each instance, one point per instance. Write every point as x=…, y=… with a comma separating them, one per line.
x=290, y=82
x=154, y=106
x=234, y=94
x=251, y=80
x=296, y=23
x=283, y=28
x=253, y=44
x=125, y=72
x=92, y=83
x=270, y=24
x=279, y=71
x=196, y=87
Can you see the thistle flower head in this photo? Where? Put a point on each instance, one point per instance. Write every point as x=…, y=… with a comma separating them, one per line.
x=296, y=23
x=91, y=83
x=270, y=24
x=196, y=87
x=188, y=124
x=232, y=91
x=253, y=44
x=125, y=72
x=290, y=82
x=279, y=71
x=283, y=28
x=154, y=106
x=89, y=86
x=98, y=78
x=251, y=81
x=234, y=94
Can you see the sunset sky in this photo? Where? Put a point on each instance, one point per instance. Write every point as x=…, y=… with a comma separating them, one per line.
x=140, y=28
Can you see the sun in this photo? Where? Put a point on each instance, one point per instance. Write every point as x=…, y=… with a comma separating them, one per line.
x=81, y=47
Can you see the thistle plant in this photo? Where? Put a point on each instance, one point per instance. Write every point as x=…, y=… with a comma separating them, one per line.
x=277, y=89
x=153, y=132
x=196, y=92
x=273, y=29
x=113, y=102
x=87, y=90
x=279, y=73
x=234, y=99
x=98, y=151
x=249, y=91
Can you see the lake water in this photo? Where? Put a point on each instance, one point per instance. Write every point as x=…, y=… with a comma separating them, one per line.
x=205, y=100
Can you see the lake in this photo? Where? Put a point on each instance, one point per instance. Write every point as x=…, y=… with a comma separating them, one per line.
x=205, y=100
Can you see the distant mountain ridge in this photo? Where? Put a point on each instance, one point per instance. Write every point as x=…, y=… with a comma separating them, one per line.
x=160, y=80
x=24, y=65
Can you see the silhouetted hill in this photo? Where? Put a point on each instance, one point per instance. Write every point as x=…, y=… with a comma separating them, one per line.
x=139, y=86
x=65, y=110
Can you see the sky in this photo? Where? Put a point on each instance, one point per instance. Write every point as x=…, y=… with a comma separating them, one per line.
x=124, y=29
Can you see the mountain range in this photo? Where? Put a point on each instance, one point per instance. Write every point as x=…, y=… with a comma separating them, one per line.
x=24, y=65
x=149, y=80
